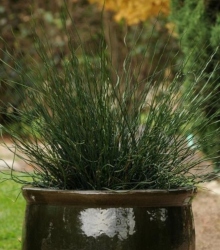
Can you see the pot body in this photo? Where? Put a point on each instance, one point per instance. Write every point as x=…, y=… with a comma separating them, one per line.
x=132, y=220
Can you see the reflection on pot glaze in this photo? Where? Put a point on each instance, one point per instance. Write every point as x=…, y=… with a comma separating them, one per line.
x=112, y=222
x=159, y=215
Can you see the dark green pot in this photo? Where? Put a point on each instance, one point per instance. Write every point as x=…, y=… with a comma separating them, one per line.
x=100, y=220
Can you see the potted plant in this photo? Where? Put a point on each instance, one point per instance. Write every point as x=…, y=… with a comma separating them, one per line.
x=114, y=163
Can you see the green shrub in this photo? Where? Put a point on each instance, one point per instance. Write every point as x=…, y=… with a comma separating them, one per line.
x=198, y=25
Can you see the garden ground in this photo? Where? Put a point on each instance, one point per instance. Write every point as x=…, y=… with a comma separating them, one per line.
x=206, y=207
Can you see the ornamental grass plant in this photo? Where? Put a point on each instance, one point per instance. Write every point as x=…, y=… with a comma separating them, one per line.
x=88, y=132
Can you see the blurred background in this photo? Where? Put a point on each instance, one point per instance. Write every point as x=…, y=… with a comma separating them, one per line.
x=117, y=22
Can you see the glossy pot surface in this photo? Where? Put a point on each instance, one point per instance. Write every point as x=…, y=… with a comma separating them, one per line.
x=96, y=220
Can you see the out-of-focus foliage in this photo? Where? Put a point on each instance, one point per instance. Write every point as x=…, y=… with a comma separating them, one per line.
x=198, y=25
x=134, y=11
x=16, y=25
x=16, y=37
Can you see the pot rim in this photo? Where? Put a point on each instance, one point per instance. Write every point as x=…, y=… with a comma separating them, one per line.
x=110, y=198
x=172, y=190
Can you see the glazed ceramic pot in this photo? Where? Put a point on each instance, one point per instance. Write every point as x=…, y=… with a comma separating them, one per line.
x=107, y=220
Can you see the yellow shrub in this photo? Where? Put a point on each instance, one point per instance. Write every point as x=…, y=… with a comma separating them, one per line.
x=134, y=11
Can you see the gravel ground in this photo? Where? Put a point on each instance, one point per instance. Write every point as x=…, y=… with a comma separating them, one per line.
x=7, y=158
x=206, y=206
x=206, y=210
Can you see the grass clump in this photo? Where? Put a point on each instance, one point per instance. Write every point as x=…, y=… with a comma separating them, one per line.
x=90, y=132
